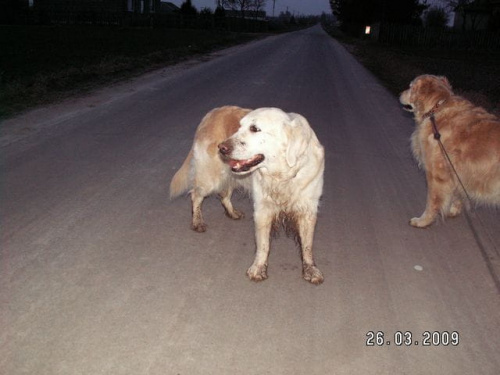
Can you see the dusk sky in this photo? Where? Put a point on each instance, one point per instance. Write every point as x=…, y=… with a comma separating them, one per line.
x=298, y=7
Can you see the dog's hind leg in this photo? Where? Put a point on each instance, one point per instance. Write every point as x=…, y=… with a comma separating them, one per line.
x=440, y=193
x=197, y=197
x=206, y=181
x=225, y=198
x=455, y=208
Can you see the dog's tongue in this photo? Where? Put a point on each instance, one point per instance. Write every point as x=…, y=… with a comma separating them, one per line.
x=236, y=164
x=240, y=165
x=245, y=165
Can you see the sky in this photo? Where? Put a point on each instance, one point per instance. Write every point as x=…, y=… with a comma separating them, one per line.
x=296, y=7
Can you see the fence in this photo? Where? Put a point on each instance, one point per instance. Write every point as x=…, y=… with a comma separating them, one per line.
x=446, y=39
x=171, y=20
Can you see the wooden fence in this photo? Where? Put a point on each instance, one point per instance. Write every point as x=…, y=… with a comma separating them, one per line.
x=447, y=39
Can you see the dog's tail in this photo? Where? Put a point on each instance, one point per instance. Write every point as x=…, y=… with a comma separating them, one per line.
x=182, y=179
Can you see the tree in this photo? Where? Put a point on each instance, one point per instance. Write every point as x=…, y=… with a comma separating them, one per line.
x=219, y=12
x=354, y=14
x=206, y=12
x=259, y=5
x=188, y=9
x=354, y=11
x=465, y=10
x=405, y=12
x=240, y=5
x=369, y=11
x=220, y=16
x=436, y=17
x=243, y=5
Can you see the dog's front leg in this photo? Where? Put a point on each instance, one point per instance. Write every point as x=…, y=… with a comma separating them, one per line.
x=263, y=218
x=306, y=223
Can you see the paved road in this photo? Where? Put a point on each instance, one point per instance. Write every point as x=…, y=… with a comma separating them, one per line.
x=100, y=273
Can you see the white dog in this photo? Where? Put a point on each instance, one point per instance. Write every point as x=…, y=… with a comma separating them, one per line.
x=276, y=157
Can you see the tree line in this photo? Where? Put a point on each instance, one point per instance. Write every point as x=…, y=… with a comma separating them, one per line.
x=355, y=14
x=371, y=11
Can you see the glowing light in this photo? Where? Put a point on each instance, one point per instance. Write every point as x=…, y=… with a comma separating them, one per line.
x=368, y=30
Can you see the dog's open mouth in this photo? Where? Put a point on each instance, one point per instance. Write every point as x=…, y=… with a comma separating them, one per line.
x=240, y=166
x=408, y=107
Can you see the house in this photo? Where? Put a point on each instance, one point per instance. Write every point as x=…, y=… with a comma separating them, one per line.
x=478, y=15
x=143, y=6
x=98, y=6
x=13, y=11
x=96, y=12
x=168, y=7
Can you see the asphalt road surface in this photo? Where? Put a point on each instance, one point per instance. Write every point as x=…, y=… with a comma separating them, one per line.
x=101, y=274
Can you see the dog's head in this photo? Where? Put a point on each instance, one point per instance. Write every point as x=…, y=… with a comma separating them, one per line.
x=267, y=138
x=424, y=93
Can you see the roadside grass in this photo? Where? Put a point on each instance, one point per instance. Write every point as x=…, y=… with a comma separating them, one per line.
x=474, y=75
x=44, y=64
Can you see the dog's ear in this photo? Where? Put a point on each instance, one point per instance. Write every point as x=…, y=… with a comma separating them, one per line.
x=445, y=81
x=299, y=136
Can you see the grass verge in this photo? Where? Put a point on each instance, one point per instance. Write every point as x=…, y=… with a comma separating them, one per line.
x=44, y=64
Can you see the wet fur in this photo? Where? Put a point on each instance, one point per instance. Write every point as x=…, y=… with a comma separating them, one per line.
x=470, y=136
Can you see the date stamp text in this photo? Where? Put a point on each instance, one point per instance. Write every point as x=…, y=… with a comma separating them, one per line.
x=407, y=338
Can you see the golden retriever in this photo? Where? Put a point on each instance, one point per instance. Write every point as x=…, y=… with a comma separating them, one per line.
x=276, y=157
x=469, y=135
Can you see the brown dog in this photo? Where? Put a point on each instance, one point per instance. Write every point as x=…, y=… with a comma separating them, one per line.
x=469, y=135
x=203, y=171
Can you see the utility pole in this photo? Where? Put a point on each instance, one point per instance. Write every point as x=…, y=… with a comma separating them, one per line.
x=274, y=5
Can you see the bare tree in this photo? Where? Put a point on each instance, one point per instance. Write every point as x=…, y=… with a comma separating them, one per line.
x=239, y=5
x=243, y=6
x=463, y=7
x=259, y=5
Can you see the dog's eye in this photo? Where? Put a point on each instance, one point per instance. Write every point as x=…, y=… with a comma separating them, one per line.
x=254, y=129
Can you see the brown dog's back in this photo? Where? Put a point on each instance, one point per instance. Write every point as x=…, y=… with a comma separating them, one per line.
x=217, y=125
x=471, y=136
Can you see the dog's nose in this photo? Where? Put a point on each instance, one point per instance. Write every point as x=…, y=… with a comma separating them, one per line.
x=224, y=149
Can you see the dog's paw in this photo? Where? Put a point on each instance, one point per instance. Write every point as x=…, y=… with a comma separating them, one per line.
x=312, y=274
x=455, y=210
x=199, y=227
x=418, y=222
x=257, y=272
x=235, y=215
